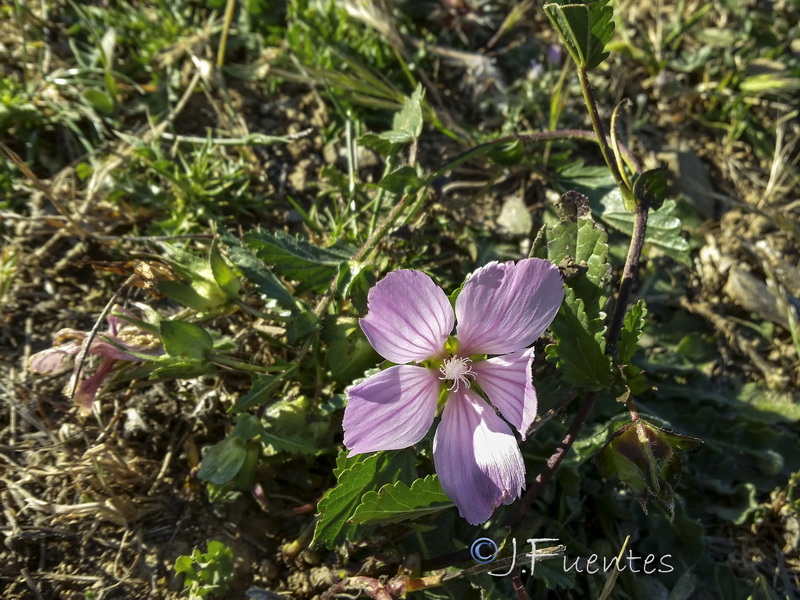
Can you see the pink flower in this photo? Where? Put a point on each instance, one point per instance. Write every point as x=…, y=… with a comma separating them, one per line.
x=502, y=309
x=124, y=334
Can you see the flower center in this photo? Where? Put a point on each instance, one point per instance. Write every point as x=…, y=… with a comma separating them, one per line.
x=458, y=371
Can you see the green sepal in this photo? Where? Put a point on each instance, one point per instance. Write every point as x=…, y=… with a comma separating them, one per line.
x=644, y=457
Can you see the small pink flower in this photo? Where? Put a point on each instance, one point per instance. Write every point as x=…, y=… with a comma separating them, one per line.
x=125, y=335
x=502, y=309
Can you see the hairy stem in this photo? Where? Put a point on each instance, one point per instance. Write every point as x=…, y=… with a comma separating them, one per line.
x=537, y=137
x=612, y=336
x=597, y=125
x=628, y=276
x=538, y=485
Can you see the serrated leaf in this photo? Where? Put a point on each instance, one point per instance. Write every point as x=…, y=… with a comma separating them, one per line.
x=580, y=351
x=409, y=120
x=301, y=325
x=255, y=270
x=631, y=332
x=247, y=427
x=182, y=339
x=291, y=444
x=406, y=127
x=355, y=477
x=585, y=28
x=579, y=246
x=349, y=353
x=396, y=502
x=585, y=245
x=311, y=266
x=663, y=229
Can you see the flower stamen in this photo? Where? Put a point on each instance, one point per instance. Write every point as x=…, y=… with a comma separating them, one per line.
x=457, y=370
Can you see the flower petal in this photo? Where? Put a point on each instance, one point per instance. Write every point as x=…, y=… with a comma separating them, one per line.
x=391, y=410
x=103, y=348
x=53, y=360
x=507, y=381
x=409, y=317
x=477, y=458
x=504, y=307
x=87, y=390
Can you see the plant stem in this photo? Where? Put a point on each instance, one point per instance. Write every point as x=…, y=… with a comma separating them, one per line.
x=538, y=485
x=366, y=248
x=223, y=42
x=628, y=276
x=612, y=336
x=597, y=125
x=537, y=137
x=242, y=366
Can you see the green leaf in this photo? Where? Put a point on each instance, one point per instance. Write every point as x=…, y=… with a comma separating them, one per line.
x=402, y=181
x=650, y=188
x=186, y=295
x=183, y=564
x=579, y=247
x=408, y=122
x=396, y=502
x=349, y=353
x=223, y=460
x=183, y=369
x=256, y=271
x=259, y=394
x=583, y=245
x=182, y=339
x=301, y=325
x=580, y=349
x=287, y=427
x=585, y=28
x=100, y=101
x=377, y=142
x=200, y=290
x=224, y=276
x=663, y=229
x=631, y=332
x=406, y=127
x=186, y=264
x=311, y=266
x=355, y=476
x=247, y=427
